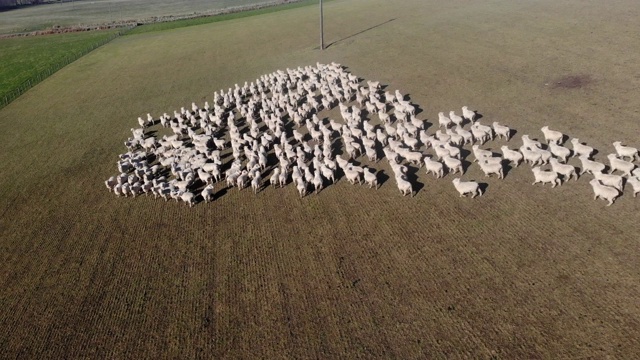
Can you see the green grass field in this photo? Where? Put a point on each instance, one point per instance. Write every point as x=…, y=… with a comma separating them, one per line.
x=21, y=58
x=522, y=272
x=211, y=19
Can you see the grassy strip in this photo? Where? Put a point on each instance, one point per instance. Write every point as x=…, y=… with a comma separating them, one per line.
x=26, y=61
x=216, y=18
x=25, y=58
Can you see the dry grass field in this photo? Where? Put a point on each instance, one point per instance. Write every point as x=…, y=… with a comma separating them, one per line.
x=523, y=272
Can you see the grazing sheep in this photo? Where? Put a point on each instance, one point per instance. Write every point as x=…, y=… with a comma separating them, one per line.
x=552, y=135
x=467, y=187
x=370, y=177
x=561, y=152
x=580, y=149
x=530, y=143
x=466, y=135
x=413, y=157
x=454, y=165
x=242, y=180
x=545, y=176
x=443, y=120
x=635, y=184
x=636, y=173
x=590, y=166
x=317, y=181
x=188, y=197
x=513, y=156
x=480, y=153
x=626, y=151
x=468, y=114
x=604, y=192
x=433, y=166
x=352, y=176
x=614, y=181
x=491, y=168
x=480, y=135
x=531, y=157
x=207, y=193
x=256, y=182
x=456, y=119
x=301, y=186
x=621, y=165
x=501, y=131
x=404, y=185
x=567, y=171
x=545, y=155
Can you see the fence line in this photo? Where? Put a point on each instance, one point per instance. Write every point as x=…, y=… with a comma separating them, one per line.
x=11, y=95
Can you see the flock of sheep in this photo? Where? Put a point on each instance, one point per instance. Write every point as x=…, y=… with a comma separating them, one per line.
x=273, y=129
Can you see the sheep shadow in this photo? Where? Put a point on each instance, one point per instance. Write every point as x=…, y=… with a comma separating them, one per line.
x=382, y=177
x=483, y=187
x=465, y=165
x=506, y=168
x=464, y=153
x=412, y=177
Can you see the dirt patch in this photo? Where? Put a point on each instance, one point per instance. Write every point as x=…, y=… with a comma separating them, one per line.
x=572, y=82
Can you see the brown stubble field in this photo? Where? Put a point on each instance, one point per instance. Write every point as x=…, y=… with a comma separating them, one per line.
x=522, y=272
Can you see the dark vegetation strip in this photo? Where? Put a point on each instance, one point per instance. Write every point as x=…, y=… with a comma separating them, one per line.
x=262, y=9
x=25, y=62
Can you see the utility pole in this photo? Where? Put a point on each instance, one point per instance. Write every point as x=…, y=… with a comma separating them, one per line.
x=321, y=28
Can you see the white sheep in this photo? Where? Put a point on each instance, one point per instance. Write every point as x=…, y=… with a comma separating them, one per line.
x=566, y=170
x=456, y=119
x=590, y=166
x=604, y=192
x=207, y=193
x=491, y=168
x=242, y=180
x=621, y=165
x=404, y=185
x=561, y=152
x=614, y=181
x=352, y=176
x=454, y=165
x=433, y=166
x=480, y=153
x=256, y=182
x=552, y=135
x=625, y=151
x=545, y=176
x=531, y=157
x=501, y=130
x=188, y=197
x=635, y=184
x=530, y=143
x=413, y=157
x=513, y=156
x=370, y=177
x=443, y=120
x=467, y=187
x=468, y=114
x=301, y=186
x=580, y=149
x=317, y=181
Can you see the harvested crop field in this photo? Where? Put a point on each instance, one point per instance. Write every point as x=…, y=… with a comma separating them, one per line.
x=522, y=272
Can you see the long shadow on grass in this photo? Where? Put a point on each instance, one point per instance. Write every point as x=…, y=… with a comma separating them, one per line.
x=359, y=32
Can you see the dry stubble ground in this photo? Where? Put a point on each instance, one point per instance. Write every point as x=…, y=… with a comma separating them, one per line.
x=522, y=272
